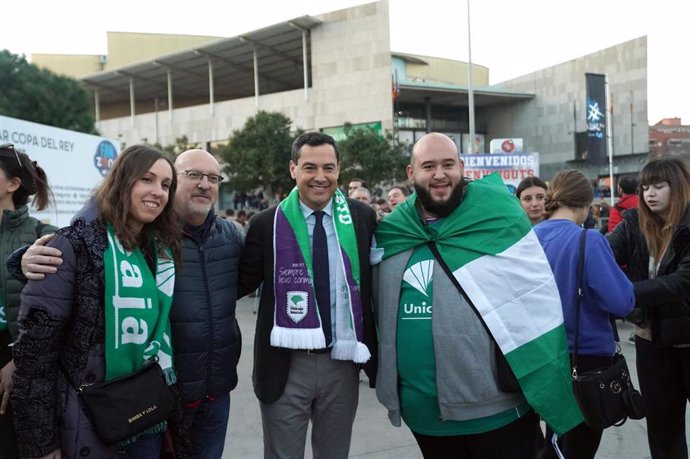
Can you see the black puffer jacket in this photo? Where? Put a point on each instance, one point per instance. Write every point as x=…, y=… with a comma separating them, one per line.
x=205, y=335
x=662, y=302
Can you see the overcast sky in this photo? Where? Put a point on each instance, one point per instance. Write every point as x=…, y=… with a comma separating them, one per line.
x=509, y=37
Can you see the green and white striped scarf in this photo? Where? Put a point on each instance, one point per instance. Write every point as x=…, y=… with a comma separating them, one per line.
x=137, y=308
x=490, y=247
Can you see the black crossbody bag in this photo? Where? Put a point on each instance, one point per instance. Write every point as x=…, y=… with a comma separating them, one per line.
x=125, y=406
x=606, y=396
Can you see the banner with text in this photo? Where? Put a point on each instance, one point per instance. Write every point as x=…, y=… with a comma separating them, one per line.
x=597, y=113
x=74, y=163
x=511, y=167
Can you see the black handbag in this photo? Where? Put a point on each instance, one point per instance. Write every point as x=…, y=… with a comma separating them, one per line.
x=606, y=396
x=125, y=406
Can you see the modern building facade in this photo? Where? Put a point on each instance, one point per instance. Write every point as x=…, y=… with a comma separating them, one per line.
x=323, y=71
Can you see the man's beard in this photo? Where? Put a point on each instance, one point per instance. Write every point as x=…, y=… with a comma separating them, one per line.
x=190, y=209
x=440, y=208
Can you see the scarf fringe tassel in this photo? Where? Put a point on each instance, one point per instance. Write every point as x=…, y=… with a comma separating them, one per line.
x=351, y=350
x=297, y=338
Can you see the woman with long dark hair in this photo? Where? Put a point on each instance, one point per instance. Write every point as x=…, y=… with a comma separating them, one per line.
x=20, y=179
x=607, y=292
x=653, y=243
x=86, y=324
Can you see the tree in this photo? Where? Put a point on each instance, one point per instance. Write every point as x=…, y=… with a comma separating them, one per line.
x=258, y=155
x=181, y=144
x=34, y=94
x=372, y=157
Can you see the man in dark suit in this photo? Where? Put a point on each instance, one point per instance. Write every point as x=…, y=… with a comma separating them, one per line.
x=314, y=325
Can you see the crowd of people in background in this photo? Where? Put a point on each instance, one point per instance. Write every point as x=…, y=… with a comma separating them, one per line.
x=243, y=200
x=148, y=274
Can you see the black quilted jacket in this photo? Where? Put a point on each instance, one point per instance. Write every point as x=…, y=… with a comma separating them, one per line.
x=663, y=302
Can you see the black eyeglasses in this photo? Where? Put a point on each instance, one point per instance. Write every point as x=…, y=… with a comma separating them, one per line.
x=197, y=176
x=9, y=146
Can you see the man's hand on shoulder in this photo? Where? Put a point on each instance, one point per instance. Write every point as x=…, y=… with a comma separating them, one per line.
x=40, y=260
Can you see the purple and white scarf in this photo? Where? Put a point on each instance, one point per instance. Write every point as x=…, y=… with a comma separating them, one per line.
x=297, y=323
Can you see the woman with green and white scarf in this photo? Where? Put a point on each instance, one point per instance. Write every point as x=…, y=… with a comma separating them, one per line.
x=103, y=314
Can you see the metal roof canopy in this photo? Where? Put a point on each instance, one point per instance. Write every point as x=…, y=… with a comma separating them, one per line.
x=279, y=58
x=456, y=96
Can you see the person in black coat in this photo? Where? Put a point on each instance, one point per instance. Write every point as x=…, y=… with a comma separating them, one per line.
x=284, y=374
x=652, y=244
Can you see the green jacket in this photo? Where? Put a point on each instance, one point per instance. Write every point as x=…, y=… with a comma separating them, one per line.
x=17, y=229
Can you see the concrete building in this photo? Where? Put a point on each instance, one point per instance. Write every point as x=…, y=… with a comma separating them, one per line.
x=323, y=71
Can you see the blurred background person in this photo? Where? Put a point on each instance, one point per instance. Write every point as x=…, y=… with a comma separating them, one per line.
x=383, y=205
x=354, y=184
x=591, y=221
x=396, y=195
x=64, y=318
x=601, y=213
x=607, y=292
x=627, y=190
x=361, y=194
x=531, y=192
x=20, y=178
x=241, y=220
x=653, y=242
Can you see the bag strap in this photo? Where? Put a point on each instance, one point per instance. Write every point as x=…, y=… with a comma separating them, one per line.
x=580, y=295
x=449, y=273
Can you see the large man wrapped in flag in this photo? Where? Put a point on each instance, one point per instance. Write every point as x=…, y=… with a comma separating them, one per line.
x=439, y=368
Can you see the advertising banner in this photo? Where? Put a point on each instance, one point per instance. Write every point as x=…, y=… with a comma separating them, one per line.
x=74, y=163
x=596, y=119
x=511, y=167
x=505, y=145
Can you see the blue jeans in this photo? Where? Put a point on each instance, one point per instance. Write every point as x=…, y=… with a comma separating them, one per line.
x=146, y=447
x=209, y=424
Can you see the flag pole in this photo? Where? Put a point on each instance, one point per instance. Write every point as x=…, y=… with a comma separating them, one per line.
x=470, y=92
x=609, y=137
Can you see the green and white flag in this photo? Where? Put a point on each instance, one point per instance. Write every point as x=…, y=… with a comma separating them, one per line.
x=490, y=247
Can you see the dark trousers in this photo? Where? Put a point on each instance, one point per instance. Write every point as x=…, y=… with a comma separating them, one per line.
x=517, y=440
x=664, y=375
x=8, y=439
x=582, y=441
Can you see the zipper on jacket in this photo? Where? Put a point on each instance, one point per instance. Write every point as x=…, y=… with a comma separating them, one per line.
x=202, y=259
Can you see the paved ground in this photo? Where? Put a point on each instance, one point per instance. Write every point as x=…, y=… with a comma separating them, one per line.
x=374, y=437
